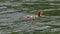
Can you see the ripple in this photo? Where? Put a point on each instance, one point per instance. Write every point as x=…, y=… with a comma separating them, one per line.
x=43, y=28
x=3, y=8
x=55, y=30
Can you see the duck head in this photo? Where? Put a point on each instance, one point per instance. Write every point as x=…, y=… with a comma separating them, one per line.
x=40, y=12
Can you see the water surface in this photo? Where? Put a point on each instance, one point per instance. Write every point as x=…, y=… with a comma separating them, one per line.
x=13, y=22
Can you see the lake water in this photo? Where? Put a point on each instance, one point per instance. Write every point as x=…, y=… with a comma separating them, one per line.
x=13, y=22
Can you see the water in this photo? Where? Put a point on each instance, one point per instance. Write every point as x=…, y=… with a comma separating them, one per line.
x=13, y=22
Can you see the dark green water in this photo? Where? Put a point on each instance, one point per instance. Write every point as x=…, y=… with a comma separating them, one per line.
x=12, y=21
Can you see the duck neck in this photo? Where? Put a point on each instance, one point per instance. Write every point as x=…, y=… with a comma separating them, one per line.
x=39, y=14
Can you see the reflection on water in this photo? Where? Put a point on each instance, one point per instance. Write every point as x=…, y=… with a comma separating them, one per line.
x=13, y=22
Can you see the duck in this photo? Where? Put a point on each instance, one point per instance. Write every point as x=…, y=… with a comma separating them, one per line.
x=33, y=16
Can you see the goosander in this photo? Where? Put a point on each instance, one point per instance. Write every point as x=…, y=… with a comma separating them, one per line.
x=33, y=16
